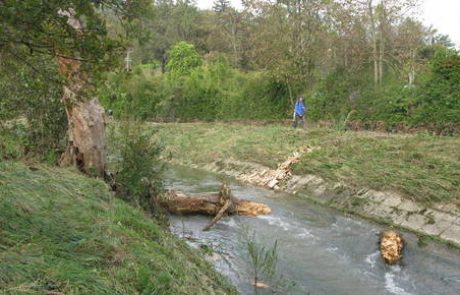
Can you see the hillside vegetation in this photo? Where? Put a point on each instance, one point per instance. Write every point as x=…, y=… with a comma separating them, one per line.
x=64, y=233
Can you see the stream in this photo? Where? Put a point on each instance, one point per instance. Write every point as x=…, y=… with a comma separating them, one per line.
x=320, y=250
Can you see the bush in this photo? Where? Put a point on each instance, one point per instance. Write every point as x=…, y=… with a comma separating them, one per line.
x=13, y=138
x=182, y=59
x=333, y=98
x=134, y=158
x=439, y=101
x=32, y=105
x=209, y=92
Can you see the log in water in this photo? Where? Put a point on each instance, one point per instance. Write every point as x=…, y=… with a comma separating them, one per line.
x=213, y=204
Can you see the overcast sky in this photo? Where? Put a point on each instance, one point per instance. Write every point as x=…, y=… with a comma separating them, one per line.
x=444, y=15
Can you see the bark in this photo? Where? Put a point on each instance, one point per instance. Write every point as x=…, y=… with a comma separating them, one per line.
x=381, y=58
x=177, y=202
x=86, y=130
x=235, y=50
x=375, y=56
x=291, y=99
x=216, y=204
x=382, y=41
x=412, y=68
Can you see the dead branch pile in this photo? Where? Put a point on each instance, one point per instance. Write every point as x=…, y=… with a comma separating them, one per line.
x=272, y=178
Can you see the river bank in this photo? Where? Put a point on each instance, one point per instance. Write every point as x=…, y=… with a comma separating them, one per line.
x=406, y=180
x=64, y=233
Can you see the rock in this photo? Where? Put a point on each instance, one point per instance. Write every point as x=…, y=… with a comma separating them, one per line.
x=273, y=183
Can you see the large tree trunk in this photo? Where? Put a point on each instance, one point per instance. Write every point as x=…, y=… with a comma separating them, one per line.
x=177, y=202
x=86, y=130
x=213, y=204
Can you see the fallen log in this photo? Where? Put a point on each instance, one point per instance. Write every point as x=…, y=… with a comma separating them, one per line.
x=391, y=246
x=215, y=204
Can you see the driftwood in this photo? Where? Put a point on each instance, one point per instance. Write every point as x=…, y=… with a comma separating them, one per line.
x=213, y=204
x=391, y=246
x=261, y=285
x=274, y=178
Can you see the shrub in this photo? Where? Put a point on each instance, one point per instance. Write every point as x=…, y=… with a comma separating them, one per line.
x=31, y=104
x=182, y=59
x=134, y=158
x=439, y=101
x=209, y=92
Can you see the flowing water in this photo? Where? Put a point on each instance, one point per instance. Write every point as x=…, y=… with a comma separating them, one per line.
x=321, y=251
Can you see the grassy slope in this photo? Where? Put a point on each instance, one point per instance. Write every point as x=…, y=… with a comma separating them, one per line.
x=63, y=233
x=422, y=167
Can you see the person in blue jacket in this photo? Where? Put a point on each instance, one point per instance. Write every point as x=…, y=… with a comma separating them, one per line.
x=299, y=113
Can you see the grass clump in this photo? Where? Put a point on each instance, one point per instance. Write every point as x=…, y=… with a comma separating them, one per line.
x=63, y=233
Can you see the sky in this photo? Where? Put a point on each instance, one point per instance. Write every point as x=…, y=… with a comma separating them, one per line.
x=444, y=15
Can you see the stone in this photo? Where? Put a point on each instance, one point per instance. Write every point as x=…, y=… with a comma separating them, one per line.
x=409, y=206
x=437, y=228
x=391, y=201
x=414, y=221
x=452, y=234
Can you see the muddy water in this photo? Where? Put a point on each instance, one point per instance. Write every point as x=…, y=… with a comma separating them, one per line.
x=321, y=251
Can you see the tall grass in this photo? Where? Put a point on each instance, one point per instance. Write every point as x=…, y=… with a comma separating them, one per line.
x=64, y=233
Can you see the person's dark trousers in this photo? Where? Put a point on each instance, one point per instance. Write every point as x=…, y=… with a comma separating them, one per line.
x=299, y=122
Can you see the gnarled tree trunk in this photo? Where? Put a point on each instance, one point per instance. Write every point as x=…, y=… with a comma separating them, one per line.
x=86, y=130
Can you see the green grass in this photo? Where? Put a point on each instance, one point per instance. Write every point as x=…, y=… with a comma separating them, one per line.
x=64, y=233
x=421, y=167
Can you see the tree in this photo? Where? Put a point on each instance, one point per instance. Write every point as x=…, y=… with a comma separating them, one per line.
x=289, y=40
x=220, y=5
x=182, y=59
x=408, y=41
x=382, y=16
x=443, y=40
x=229, y=21
x=72, y=33
x=173, y=21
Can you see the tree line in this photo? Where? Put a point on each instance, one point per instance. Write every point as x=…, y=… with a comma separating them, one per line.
x=372, y=58
x=366, y=63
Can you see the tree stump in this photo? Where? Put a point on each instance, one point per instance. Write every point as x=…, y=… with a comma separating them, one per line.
x=391, y=246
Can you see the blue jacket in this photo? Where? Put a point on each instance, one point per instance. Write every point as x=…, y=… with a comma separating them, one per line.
x=299, y=108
